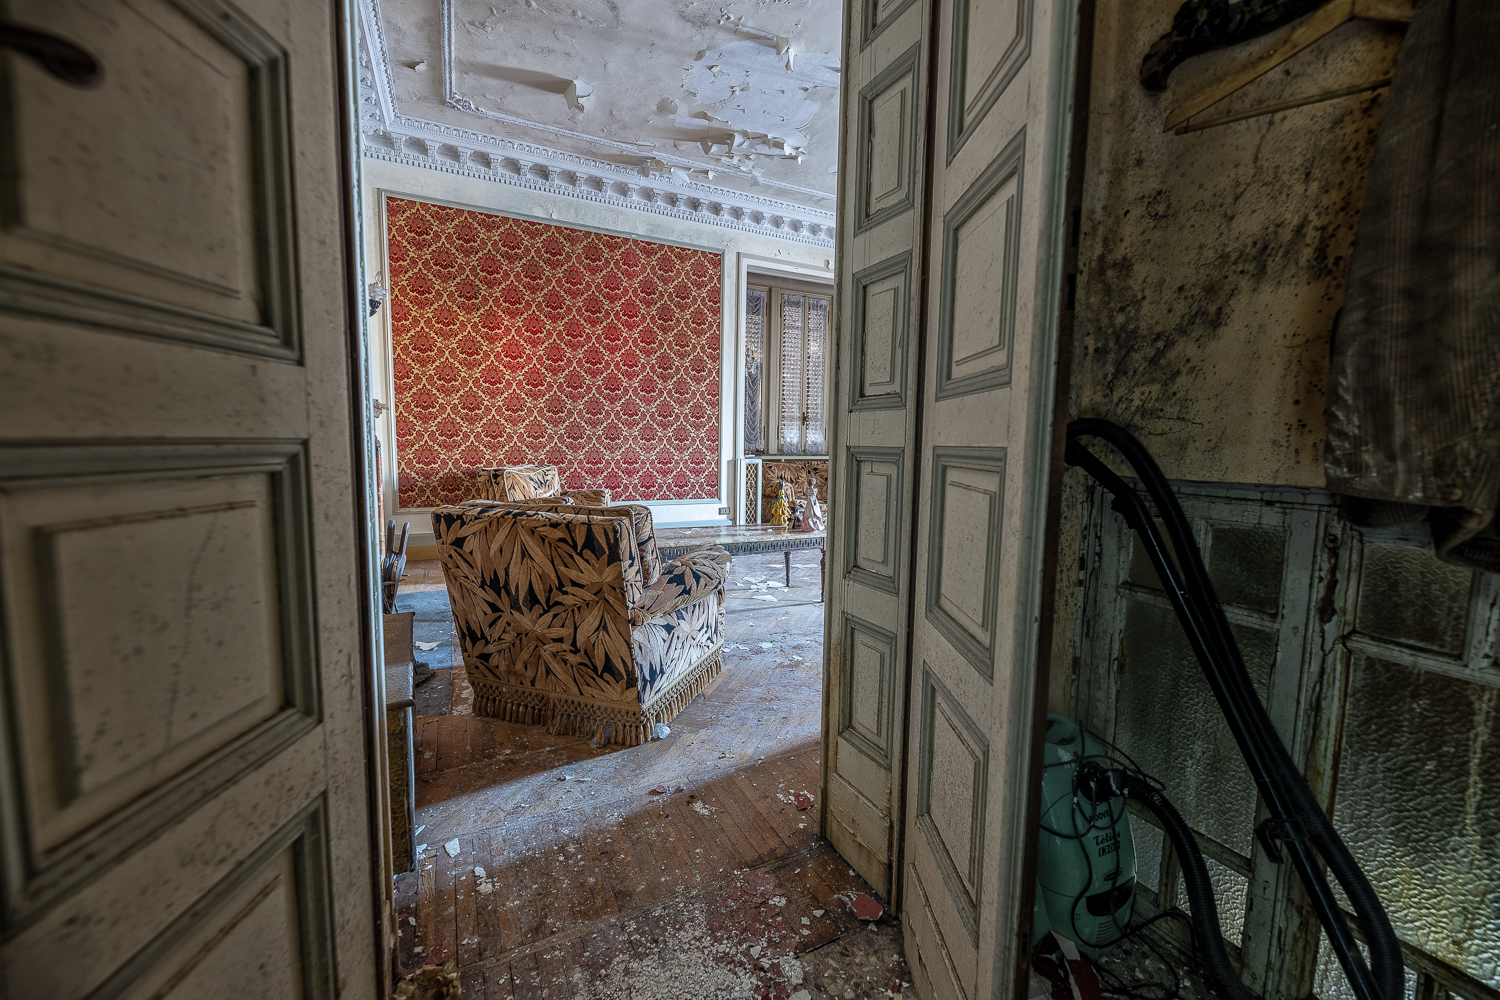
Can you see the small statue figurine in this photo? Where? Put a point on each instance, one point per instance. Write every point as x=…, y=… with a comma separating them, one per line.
x=781, y=510
x=812, y=519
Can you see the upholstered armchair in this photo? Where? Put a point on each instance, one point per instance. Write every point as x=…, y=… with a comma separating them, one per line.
x=534, y=482
x=567, y=617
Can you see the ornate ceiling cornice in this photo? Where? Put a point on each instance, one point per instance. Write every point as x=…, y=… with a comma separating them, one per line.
x=392, y=137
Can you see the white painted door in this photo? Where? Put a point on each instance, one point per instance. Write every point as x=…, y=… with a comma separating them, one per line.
x=871, y=470
x=948, y=301
x=985, y=450
x=183, y=797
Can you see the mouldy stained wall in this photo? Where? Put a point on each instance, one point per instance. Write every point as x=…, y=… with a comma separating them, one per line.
x=1212, y=264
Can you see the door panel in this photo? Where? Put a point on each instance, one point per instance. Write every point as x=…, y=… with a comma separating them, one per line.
x=983, y=457
x=991, y=41
x=159, y=202
x=199, y=640
x=873, y=431
x=182, y=799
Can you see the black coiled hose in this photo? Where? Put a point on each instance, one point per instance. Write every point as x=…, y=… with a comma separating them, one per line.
x=1297, y=821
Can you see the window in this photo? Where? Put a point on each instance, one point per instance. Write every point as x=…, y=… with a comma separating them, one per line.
x=1377, y=665
x=786, y=368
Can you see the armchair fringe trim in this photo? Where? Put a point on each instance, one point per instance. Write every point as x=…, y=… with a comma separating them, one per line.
x=569, y=715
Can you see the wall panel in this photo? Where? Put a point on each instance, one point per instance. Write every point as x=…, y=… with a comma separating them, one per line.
x=517, y=342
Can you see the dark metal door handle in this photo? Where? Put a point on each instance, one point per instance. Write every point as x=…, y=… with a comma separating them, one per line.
x=64, y=60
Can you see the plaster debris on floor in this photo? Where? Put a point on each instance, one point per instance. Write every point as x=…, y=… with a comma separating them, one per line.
x=686, y=867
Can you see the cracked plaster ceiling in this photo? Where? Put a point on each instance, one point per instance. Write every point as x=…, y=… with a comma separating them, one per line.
x=742, y=96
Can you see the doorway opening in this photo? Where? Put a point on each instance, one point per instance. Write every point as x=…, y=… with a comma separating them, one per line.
x=689, y=865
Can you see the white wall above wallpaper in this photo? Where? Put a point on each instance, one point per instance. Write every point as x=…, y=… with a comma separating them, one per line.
x=719, y=113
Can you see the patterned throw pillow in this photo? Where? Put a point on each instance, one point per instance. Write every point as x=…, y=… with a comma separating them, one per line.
x=531, y=482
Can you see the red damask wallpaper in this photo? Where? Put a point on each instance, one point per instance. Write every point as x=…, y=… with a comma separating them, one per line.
x=520, y=342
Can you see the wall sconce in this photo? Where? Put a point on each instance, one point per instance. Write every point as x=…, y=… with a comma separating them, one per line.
x=378, y=293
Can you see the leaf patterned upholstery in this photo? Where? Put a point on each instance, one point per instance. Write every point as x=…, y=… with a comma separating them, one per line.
x=588, y=498
x=534, y=482
x=559, y=626
x=640, y=515
x=688, y=578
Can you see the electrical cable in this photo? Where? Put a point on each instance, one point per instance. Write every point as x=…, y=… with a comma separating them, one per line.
x=1297, y=821
x=1087, y=791
x=1146, y=991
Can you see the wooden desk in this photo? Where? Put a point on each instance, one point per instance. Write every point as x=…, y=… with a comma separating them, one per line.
x=744, y=539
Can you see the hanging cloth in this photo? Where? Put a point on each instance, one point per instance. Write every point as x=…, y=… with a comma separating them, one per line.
x=1414, y=386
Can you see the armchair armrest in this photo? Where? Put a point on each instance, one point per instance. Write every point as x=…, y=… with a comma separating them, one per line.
x=588, y=498
x=686, y=579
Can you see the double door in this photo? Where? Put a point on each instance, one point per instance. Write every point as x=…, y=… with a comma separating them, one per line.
x=956, y=114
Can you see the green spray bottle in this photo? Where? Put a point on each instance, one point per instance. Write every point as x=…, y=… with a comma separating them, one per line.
x=1085, y=868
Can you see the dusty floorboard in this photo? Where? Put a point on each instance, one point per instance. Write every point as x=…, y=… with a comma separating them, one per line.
x=553, y=868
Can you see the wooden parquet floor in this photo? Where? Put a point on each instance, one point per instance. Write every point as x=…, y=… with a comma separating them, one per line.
x=554, y=869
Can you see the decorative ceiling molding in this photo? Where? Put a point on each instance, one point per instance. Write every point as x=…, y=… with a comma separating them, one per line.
x=392, y=137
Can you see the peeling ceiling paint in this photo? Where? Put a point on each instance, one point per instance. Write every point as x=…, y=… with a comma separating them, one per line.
x=759, y=96
x=743, y=94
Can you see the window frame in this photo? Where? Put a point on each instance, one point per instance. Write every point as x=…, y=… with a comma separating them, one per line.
x=775, y=287
x=1319, y=642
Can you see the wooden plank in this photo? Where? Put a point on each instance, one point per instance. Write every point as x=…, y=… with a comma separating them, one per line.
x=836, y=872
x=598, y=901
x=442, y=940
x=753, y=794
x=557, y=965
x=452, y=741
x=475, y=983
x=571, y=898
x=643, y=849
x=499, y=921
x=526, y=979
x=673, y=842
x=785, y=818
x=427, y=730
x=715, y=857
x=408, y=901
x=465, y=905
x=739, y=845
x=766, y=845
x=525, y=887
x=626, y=873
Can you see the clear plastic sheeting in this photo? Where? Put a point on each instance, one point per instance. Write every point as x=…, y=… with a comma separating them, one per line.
x=1170, y=723
x=755, y=351
x=1230, y=892
x=1245, y=563
x=1148, y=845
x=1418, y=803
x=1407, y=596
